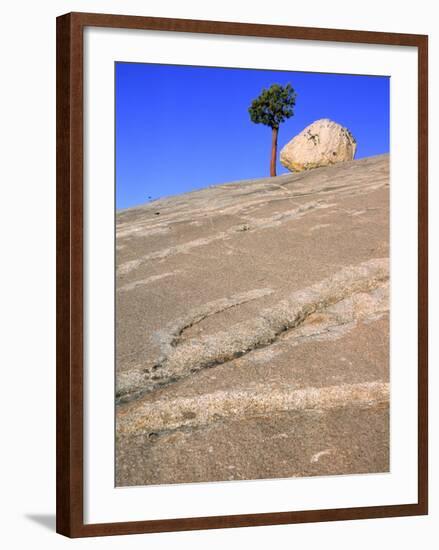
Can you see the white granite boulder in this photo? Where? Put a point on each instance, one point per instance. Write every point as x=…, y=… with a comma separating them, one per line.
x=322, y=143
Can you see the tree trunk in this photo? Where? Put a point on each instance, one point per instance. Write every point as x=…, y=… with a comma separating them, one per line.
x=273, y=151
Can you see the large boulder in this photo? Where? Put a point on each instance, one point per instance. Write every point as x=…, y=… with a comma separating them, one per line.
x=322, y=143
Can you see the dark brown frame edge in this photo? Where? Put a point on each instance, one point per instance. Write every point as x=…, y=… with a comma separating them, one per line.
x=69, y=248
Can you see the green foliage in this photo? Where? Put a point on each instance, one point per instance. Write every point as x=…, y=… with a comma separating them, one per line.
x=273, y=106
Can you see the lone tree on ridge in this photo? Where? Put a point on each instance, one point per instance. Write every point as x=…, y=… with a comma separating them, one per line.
x=272, y=107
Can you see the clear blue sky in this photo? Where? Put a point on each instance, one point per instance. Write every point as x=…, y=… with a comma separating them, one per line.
x=181, y=128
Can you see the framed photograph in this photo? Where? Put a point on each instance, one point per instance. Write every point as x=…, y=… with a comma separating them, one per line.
x=241, y=274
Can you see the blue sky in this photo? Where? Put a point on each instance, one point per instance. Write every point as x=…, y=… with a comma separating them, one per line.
x=181, y=128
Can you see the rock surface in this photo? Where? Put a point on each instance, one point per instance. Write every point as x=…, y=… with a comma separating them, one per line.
x=322, y=143
x=252, y=329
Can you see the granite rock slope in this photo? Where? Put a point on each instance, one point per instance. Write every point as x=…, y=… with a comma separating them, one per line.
x=253, y=329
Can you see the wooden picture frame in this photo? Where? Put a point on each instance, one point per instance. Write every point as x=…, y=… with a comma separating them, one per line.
x=70, y=266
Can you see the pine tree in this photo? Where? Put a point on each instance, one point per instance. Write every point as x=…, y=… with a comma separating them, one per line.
x=272, y=107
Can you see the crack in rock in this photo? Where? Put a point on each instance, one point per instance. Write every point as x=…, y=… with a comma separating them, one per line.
x=164, y=415
x=210, y=350
x=135, y=381
x=183, y=357
x=172, y=336
x=340, y=318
